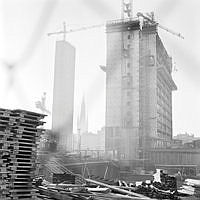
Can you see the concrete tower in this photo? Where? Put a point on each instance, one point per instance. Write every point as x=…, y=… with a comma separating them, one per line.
x=138, y=90
x=63, y=94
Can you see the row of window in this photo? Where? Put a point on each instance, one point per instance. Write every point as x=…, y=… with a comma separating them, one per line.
x=163, y=102
x=165, y=98
x=128, y=82
x=160, y=144
x=163, y=110
x=163, y=132
x=163, y=59
x=163, y=89
x=164, y=94
x=164, y=118
x=163, y=85
x=163, y=135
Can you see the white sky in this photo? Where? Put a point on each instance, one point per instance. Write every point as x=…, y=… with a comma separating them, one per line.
x=23, y=41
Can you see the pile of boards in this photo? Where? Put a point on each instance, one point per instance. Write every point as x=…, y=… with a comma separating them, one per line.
x=19, y=135
x=83, y=193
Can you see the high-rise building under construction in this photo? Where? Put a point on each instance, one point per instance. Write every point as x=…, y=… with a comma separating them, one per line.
x=63, y=94
x=139, y=89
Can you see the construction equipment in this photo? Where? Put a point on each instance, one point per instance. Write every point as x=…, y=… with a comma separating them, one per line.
x=150, y=18
x=126, y=12
x=64, y=32
x=126, y=9
x=42, y=104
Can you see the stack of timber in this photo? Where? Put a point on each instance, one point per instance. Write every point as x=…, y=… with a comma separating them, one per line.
x=19, y=135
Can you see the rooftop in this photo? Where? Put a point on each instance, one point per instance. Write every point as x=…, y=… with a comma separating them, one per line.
x=129, y=24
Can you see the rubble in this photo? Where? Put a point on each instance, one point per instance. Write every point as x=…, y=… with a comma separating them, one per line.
x=190, y=187
x=166, y=188
x=100, y=190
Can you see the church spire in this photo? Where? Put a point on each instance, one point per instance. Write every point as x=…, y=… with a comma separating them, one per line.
x=83, y=118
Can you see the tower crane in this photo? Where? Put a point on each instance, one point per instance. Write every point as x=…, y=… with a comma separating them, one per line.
x=150, y=18
x=126, y=11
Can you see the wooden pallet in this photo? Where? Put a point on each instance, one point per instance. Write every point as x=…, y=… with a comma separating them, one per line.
x=19, y=136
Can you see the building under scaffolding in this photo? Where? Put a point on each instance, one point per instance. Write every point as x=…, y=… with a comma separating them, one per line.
x=139, y=89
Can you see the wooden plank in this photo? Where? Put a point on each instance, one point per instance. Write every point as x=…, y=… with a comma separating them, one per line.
x=22, y=154
x=25, y=140
x=19, y=136
x=116, y=189
x=24, y=148
x=31, y=113
x=24, y=183
x=23, y=144
x=7, y=123
x=28, y=129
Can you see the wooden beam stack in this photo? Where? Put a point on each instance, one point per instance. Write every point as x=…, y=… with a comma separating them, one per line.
x=19, y=135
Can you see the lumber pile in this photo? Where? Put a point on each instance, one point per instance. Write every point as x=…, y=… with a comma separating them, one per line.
x=19, y=135
x=81, y=193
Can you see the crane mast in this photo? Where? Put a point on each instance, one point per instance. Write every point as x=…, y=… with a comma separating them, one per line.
x=126, y=9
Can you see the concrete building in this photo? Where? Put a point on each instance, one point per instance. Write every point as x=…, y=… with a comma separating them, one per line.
x=186, y=137
x=185, y=160
x=63, y=94
x=90, y=141
x=138, y=90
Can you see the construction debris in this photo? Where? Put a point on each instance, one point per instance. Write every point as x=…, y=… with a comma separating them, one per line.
x=93, y=189
x=19, y=135
x=190, y=187
x=116, y=189
x=166, y=188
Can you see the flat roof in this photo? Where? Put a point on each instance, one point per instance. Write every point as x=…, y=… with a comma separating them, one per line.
x=130, y=24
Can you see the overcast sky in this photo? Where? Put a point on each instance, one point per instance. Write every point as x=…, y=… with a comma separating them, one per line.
x=27, y=53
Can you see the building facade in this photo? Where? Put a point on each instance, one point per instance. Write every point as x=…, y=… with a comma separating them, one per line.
x=186, y=137
x=185, y=160
x=90, y=141
x=63, y=94
x=138, y=90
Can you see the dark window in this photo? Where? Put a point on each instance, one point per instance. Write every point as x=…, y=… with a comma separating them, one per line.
x=126, y=53
x=128, y=65
x=129, y=37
